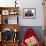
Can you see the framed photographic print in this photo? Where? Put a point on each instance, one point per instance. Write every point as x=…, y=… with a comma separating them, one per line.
x=5, y=12
x=29, y=13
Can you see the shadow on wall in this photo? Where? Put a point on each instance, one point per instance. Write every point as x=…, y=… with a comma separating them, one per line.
x=37, y=29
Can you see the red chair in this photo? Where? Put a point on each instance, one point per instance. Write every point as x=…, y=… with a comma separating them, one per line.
x=29, y=33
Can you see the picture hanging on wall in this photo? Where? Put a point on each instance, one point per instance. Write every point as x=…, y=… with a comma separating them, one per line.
x=29, y=13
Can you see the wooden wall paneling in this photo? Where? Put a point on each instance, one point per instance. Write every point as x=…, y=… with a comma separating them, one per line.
x=44, y=6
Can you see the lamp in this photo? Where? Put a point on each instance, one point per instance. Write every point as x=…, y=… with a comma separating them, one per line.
x=15, y=3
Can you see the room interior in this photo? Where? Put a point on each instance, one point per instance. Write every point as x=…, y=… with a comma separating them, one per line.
x=15, y=20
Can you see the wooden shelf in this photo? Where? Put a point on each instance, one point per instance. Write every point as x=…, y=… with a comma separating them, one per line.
x=11, y=26
x=9, y=43
x=8, y=11
x=4, y=25
x=9, y=8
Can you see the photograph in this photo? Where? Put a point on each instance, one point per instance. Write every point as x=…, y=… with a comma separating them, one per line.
x=29, y=13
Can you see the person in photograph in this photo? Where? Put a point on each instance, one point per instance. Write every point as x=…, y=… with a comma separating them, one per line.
x=29, y=13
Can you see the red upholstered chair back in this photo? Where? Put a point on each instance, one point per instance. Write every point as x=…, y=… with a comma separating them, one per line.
x=29, y=33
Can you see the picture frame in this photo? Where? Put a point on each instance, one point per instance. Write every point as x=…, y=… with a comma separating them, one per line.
x=5, y=12
x=29, y=13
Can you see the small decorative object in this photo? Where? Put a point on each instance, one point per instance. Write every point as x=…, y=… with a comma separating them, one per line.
x=29, y=13
x=13, y=12
x=15, y=30
x=6, y=21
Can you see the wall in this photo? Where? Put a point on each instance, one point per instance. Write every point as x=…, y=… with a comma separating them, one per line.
x=44, y=13
x=27, y=4
x=6, y=3
x=39, y=13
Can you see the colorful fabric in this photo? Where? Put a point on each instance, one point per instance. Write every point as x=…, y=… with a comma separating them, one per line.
x=30, y=35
